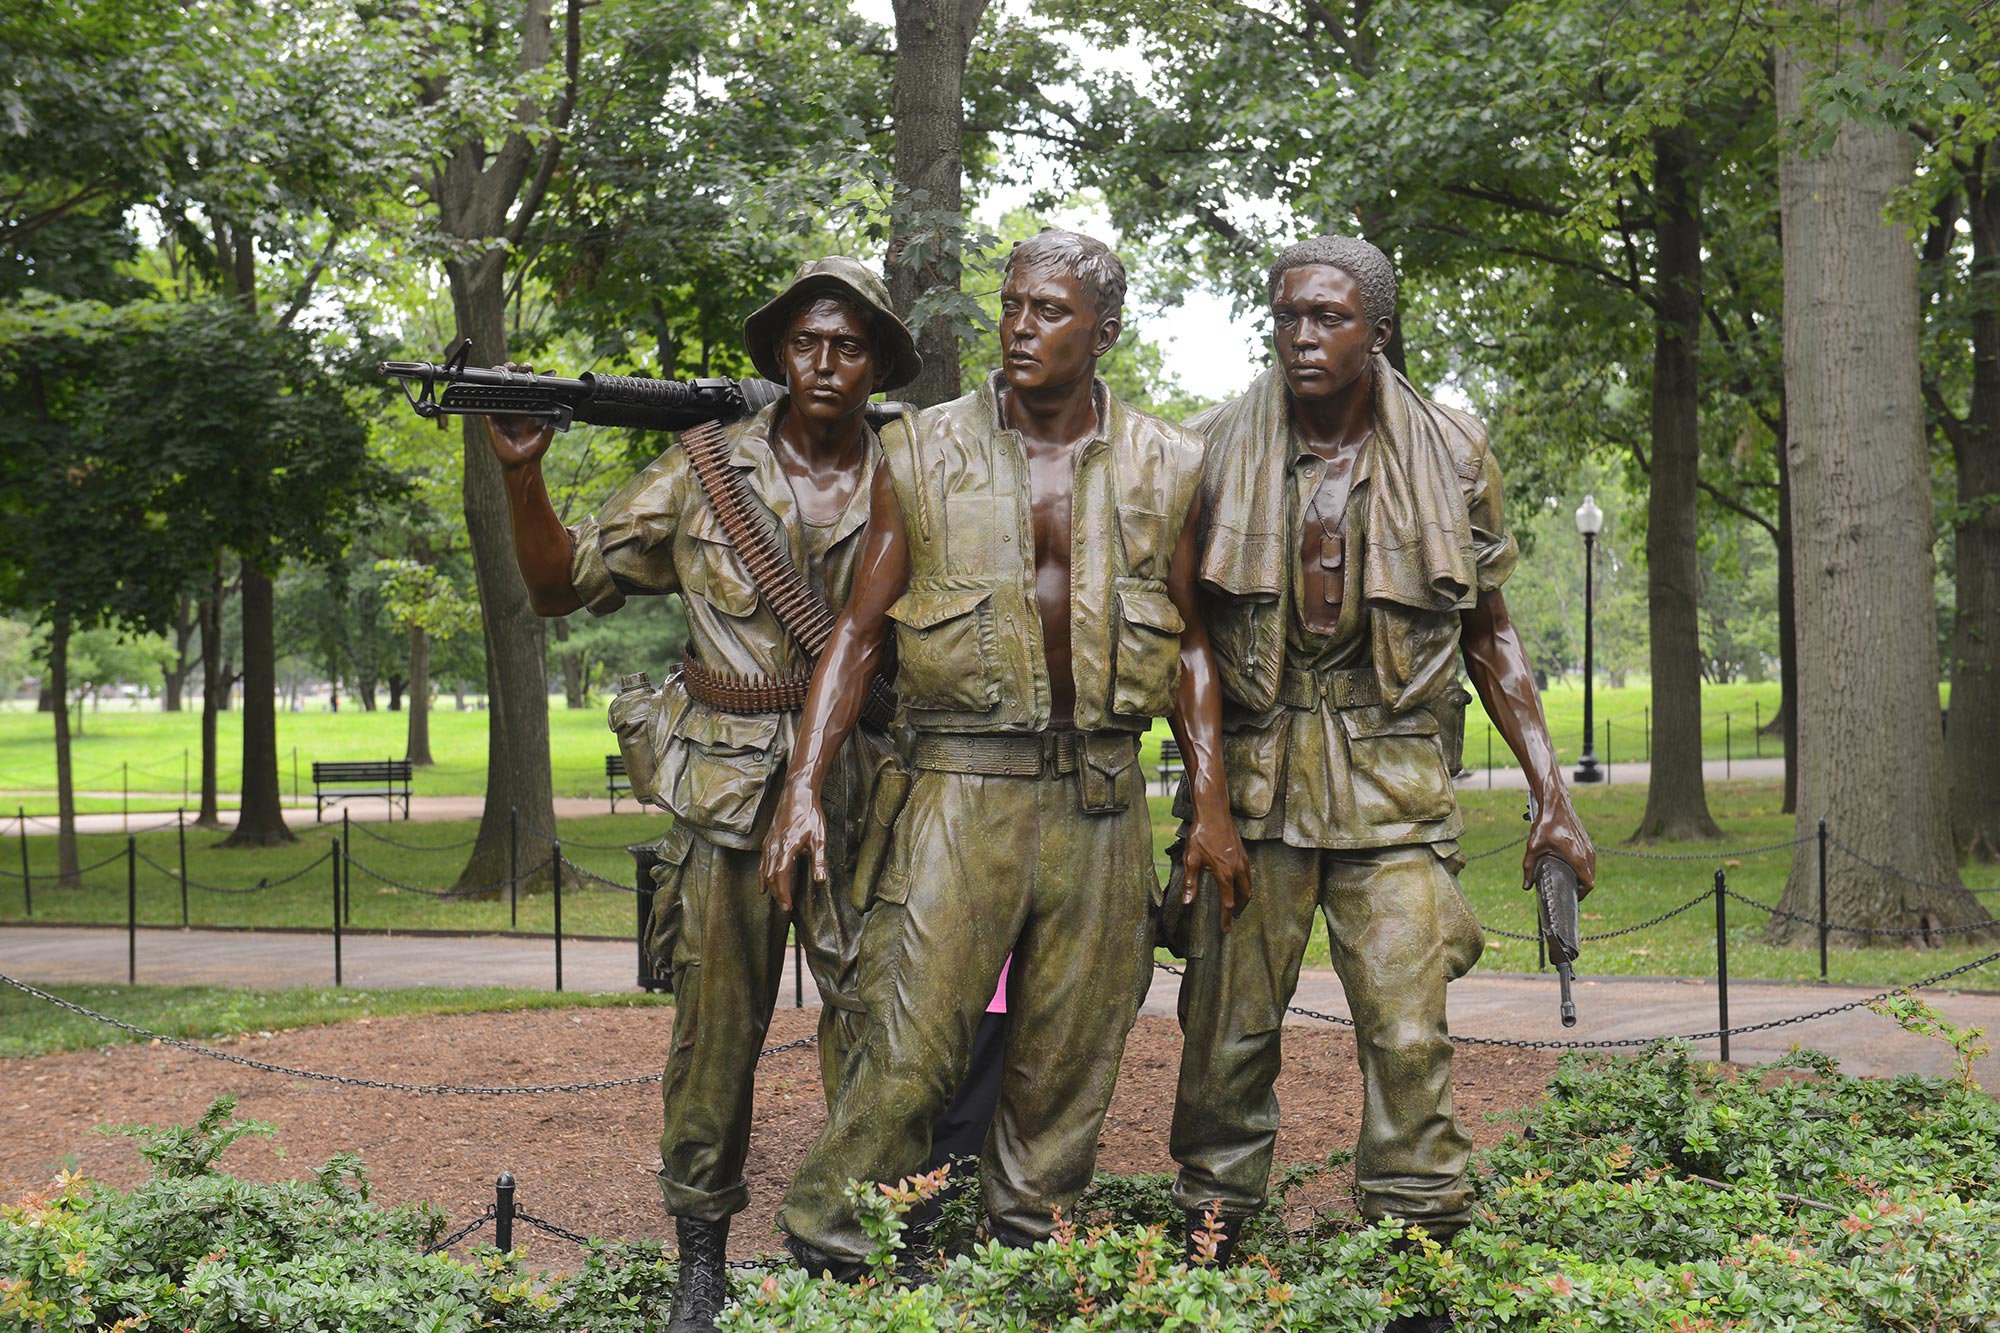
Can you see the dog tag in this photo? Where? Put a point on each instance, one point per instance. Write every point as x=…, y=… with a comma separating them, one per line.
x=1332, y=551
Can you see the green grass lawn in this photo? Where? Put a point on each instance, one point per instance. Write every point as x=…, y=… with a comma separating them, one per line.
x=153, y=753
x=29, y=1026
x=1629, y=890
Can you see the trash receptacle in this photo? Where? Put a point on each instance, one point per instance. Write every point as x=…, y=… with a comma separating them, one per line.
x=644, y=859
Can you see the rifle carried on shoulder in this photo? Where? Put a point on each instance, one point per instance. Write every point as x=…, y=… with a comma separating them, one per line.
x=455, y=389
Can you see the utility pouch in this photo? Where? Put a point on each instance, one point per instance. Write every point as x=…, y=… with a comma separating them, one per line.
x=1107, y=770
x=889, y=792
x=1449, y=709
x=632, y=716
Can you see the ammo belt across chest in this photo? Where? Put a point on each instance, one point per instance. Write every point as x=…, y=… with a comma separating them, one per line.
x=731, y=693
x=1007, y=755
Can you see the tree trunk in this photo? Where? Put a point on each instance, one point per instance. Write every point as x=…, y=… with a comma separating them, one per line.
x=932, y=39
x=570, y=664
x=364, y=693
x=1971, y=779
x=419, y=748
x=517, y=722
x=66, y=862
x=1676, y=800
x=396, y=684
x=1787, y=721
x=1871, y=752
x=173, y=679
x=213, y=687
x=260, y=818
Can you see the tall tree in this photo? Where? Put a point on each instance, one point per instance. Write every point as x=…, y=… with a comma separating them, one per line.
x=484, y=196
x=1870, y=744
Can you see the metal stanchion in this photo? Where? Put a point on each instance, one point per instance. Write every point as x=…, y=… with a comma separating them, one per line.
x=131, y=910
x=503, y=1212
x=1822, y=898
x=27, y=883
x=181, y=829
x=336, y=913
x=346, y=841
x=1722, y=959
x=555, y=865
x=798, y=969
x=125, y=796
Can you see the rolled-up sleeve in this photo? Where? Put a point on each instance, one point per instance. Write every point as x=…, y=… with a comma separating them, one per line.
x=1494, y=550
x=628, y=547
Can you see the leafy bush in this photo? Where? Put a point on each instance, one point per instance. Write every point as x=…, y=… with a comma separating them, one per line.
x=1659, y=1194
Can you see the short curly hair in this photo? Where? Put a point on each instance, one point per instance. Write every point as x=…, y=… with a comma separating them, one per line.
x=1374, y=276
x=1100, y=271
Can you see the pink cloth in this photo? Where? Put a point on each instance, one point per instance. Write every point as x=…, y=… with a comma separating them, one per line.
x=999, y=1004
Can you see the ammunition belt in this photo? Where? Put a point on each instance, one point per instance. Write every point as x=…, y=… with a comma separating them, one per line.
x=731, y=693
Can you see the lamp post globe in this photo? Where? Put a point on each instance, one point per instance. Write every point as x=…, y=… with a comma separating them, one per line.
x=1589, y=522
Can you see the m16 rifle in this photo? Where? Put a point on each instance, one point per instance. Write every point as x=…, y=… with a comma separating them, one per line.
x=1555, y=885
x=455, y=389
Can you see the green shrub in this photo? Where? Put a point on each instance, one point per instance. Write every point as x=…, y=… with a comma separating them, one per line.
x=1657, y=1194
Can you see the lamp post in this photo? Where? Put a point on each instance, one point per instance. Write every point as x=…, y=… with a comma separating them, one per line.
x=1589, y=522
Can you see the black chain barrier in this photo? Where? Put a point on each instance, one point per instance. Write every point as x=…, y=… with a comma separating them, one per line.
x=414, y=846
x=1813, y=921
x=592, y=875
x=560, y=1232
x=1667, y=915
x=352, y=1081
x=464, y=1231
x=1908, y=879
x=1633, y=1042
x=625, y=846
x=494, y=887
x=1706, y=856
x=81, y=870
x=1495, y=851
x=175, y=875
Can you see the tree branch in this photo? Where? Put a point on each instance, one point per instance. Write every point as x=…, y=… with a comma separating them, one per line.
x=552, y=150
x=309, y=281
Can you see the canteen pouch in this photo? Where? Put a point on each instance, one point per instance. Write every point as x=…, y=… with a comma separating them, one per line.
x=1449, y=709
x=890, y=791
x=632, y=717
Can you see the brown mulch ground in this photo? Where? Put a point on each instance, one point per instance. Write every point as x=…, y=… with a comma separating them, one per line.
x=586, y=1160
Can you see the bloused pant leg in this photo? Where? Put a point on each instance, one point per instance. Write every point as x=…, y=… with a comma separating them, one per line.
x=727, y=965
x=948, y=909
x=1081, y=970
x=1400, y=932
x=1232, y=1008
x=830, y=930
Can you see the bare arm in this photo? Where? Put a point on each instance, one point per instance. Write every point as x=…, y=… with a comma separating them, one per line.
x=839, y=692
x=542, y=545
x=1506, y=685
x=1212, y=843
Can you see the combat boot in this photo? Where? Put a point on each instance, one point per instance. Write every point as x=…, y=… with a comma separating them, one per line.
x=1420, y=1323
x=703, y=1286
x=818, y=1263
x=1229, y=1231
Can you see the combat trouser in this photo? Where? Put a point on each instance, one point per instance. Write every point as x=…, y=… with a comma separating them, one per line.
x=1400, y=931
x=982, y=864
x=729, y=963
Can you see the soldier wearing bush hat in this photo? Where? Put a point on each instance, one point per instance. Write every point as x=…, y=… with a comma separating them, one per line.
x=712, y=744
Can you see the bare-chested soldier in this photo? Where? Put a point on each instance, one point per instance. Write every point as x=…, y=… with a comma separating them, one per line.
x=1032, y=544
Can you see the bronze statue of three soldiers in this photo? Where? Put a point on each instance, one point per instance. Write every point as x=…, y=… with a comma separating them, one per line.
x=1292, y=580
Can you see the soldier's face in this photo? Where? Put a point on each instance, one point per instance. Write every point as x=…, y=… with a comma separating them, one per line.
x=1050, y=333
x=829, y=361
x=1323, y=340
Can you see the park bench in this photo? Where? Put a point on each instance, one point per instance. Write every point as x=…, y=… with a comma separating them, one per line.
x=340, y=779
x=1170, y=765
x=615, y=780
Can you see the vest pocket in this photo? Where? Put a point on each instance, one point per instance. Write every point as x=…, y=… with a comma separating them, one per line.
x=716, y=574
x=1397, y=764
x=1147, y=666
x=717, y=768
x=945, y=654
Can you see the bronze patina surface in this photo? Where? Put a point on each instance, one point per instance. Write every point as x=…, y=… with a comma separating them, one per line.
x=1031, y=549
x=1354, y=547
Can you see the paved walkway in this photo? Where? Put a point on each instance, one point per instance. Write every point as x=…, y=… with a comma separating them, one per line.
x=429, y=808
x=1521, y=1008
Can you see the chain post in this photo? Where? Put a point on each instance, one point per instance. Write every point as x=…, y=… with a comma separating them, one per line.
x=503, y=1212
x=1822, y=898
x=346, y=841
x=131, y=910
x=27, y=884
x=513, y=867
x=1722, y=958
x=555, y=865
x=798, y=968
x=335, y=858
x=181, y=828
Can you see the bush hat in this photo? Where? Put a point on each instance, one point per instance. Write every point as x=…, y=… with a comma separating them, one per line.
x=836, y=275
